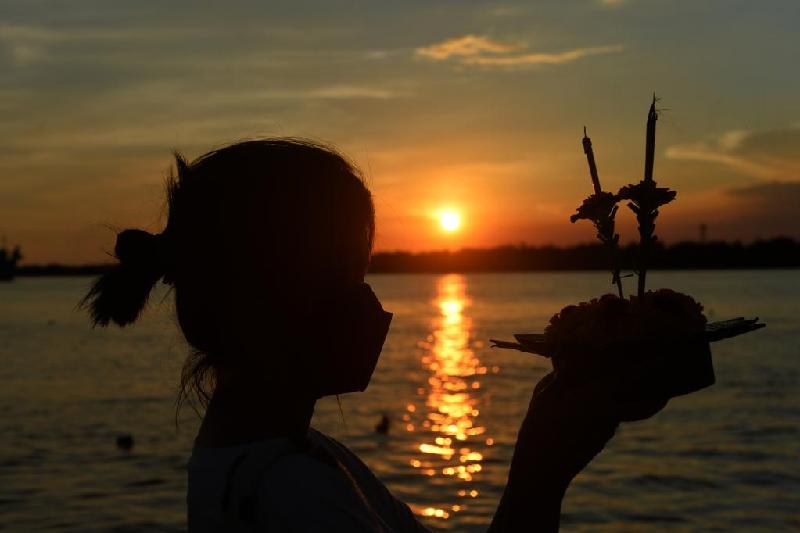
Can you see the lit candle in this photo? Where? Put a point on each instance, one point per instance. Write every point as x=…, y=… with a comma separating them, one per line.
x=587, y=149
x=650, y=147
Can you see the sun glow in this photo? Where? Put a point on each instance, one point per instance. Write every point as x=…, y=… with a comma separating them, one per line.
x=450, y=220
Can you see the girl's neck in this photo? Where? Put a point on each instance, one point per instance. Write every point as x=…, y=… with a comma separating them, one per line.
x=239, y=413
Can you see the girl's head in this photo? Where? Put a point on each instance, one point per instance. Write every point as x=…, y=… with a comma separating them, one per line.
x=266, y=245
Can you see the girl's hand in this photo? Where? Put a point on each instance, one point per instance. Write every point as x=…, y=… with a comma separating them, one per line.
x=568, y=424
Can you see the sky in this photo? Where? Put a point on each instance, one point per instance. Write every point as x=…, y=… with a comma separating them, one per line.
x=476, y=107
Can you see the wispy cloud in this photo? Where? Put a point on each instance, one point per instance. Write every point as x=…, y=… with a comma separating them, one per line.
x=557, y=58
x=336, y=92
x=482, y=51
x=153, y=133
x=27, y=44
x=700, y=152
x=768, y=154
x=465, y=47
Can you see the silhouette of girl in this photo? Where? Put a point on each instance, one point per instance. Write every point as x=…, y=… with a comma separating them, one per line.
x=266, y=247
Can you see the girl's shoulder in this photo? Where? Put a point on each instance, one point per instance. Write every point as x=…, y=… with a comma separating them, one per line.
x=279, y=484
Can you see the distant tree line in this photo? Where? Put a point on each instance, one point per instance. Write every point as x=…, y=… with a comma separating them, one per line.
x=772, y=253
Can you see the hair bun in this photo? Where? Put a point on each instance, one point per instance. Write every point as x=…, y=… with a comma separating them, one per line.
x=120, y=294
x=138, y=248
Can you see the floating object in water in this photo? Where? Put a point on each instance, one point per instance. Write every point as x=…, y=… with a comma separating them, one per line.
x=125, y=442
x=383, y=426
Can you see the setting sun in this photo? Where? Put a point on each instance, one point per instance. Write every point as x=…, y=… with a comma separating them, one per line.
x=450, y=221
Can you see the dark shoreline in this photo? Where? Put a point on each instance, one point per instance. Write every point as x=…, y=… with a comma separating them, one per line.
x=779, y=253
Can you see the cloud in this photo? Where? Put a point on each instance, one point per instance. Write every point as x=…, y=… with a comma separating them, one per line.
x=466, y=46
x=700, y=152
x=612, y=3
x=154, y=132
x=767, y=154
x=337, y=92
x=558, y=58
x=482, y=51
x=27, y=44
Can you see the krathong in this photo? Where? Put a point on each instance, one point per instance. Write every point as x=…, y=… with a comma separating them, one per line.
x=654, y=344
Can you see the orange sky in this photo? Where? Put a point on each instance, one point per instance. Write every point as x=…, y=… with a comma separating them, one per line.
x=475, y=107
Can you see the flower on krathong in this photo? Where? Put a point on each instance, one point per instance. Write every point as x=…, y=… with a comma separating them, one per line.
x=659, y=315
x=644, y=200
x=597, y=206
x=645, y=196
x=600, y=208
x=671, y=311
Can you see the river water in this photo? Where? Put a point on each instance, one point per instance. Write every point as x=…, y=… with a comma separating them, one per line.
x=726, y=458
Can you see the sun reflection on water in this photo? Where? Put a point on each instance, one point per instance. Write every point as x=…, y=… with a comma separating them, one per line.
x=452, y=442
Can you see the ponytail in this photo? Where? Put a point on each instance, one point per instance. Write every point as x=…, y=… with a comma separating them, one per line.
x=120, y=294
